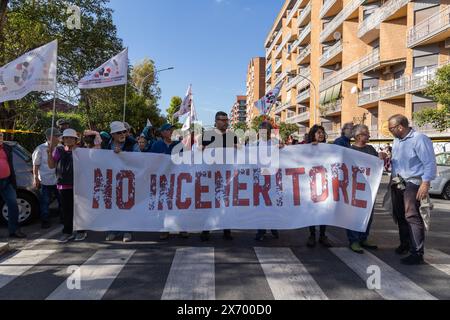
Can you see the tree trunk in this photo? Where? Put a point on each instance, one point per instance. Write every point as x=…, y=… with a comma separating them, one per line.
x=3, y=10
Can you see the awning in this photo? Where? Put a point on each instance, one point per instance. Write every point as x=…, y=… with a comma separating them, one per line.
x=331, y=94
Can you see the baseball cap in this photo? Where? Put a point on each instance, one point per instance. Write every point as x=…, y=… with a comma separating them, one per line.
x=166, y=126
x=56, y=132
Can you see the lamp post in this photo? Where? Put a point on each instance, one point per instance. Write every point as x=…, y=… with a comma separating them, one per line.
x=141, y=88
x=314, y=95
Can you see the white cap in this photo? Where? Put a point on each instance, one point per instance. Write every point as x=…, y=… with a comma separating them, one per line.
x=70, y=133
x=117, y=126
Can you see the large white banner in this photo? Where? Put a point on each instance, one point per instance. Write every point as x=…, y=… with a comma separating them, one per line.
x=113, y=72
x=313, y=185
x=34, y=71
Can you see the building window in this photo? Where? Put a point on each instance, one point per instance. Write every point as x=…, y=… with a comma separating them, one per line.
x=369, y=84
x=423, y=63
x=420, y=106
x=422, y=15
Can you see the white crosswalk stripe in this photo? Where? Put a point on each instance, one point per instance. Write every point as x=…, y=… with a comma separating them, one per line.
x=438, y=260
x=287, y=276
x=17, y=265
x=394, y=286
x=191, y=276
x=97, y=275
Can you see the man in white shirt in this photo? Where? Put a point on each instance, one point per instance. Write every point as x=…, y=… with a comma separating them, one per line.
x=44, y=177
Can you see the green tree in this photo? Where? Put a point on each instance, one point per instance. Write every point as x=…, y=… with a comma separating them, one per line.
x=240, y=126
x=256, y=123
x=439, y=90
x=286, y=130
x=174, y=107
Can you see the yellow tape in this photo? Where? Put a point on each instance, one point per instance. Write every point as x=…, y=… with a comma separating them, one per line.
x=17, y=131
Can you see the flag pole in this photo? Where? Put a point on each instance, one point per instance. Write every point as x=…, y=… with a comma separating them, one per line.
x=125, y=103
x=55, y=94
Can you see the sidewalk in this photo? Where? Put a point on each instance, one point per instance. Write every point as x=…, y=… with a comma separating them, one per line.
x=4, y=247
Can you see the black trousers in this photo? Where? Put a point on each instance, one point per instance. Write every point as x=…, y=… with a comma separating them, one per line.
x=67, y=210
x=410, y=223
x=323, y=230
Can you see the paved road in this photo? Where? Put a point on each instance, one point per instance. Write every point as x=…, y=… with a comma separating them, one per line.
x=219, y=270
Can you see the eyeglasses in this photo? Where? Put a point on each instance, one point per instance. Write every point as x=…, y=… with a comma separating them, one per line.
x=393, y=128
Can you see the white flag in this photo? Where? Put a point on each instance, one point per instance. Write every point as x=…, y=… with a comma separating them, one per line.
x=34, y=71
x=113, y=72
x=186, y=105
x=265, y=103
x=149, y=123
x=187, y=123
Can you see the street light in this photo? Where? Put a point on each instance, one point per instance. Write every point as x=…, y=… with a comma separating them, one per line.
x=141, y=88
x=314, y=95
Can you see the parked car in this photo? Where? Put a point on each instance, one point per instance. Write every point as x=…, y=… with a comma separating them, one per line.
x=441, y=186
x=27, y=195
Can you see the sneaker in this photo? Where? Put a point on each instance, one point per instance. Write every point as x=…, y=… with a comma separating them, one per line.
x=164, y=236
x=323, y=240
x=111, y=237
x=311, y=242
x=184, y=235
x=66, y=238
x=81, y=236
x=127, y=237
x=204, y=237
x=402, y=249
x=46, y=225
x=368, y=245
x=356, y=247
x=412, y=260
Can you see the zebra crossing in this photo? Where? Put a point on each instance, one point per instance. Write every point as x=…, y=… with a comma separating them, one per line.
x=208, y=273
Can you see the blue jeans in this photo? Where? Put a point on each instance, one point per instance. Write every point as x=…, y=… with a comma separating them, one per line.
x=45, y=197
x=354, y=236
x=9, y=196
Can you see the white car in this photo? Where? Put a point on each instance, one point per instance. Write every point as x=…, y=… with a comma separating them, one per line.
x=441, y=186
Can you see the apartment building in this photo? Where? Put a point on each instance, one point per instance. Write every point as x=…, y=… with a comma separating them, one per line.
x=239, y=111
x=256, y=88
x=358, y=61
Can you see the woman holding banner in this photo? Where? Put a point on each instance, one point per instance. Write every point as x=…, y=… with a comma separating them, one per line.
x=318, y=135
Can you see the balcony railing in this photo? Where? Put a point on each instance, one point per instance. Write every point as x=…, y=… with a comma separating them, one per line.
x=326, y=6
x=293, y=82
x=283, y=107
x=430, y=27
x=407, y=84
x=331, y=108
x=380, y=15
x=305, y=12
x=280, y=77
x=331, y=53
x=278, y=36
x=293, y=11
x=353, y=68
x=300, y=118
x=303, y=54
x=340, y=18
x=304, y=33
x=278, y=65
x=301, y=97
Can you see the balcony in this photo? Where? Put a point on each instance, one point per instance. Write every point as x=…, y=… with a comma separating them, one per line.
x=293, y=11
x=331, y=53
x=374, y=133
x=305, y=12
x=333, y=135
x=380, y=15
x=282, y=107
x=304, y=33
x=303, y=54
x=331, y=109
x=274, y=42
x=303, y=96
x=280, y=78
x=326, y=6
x=278, y=65
x=340, y=18
x=300, y=118
x=361, y=65
x=268, y=88
x=293, y=82
x=398, y=87
x=429, y=28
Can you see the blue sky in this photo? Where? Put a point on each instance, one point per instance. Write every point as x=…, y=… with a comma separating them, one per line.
x=209, y=42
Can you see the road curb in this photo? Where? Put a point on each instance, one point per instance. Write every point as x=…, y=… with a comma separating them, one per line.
x=4, y=247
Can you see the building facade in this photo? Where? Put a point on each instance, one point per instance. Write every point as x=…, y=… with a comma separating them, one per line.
x=358, y=61
x=256, y=76
x=239, y=111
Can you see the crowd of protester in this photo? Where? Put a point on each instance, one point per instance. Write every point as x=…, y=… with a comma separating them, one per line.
x=410, y=159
